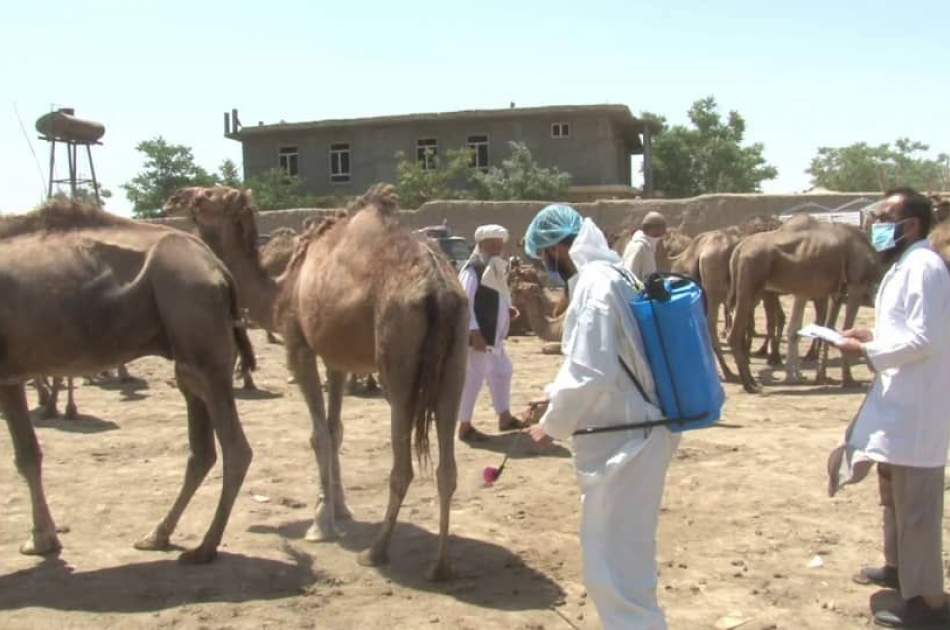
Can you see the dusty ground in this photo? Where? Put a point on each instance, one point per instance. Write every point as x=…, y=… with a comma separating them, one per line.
x=745, y=513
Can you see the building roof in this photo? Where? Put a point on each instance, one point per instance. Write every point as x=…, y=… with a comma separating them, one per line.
x=632, y=126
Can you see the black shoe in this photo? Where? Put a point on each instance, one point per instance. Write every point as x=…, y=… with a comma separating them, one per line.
x=881, y=576
x=914, y=614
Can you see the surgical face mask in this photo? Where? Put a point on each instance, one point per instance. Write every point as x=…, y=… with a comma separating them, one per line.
x=653, y=240
x=885, y=236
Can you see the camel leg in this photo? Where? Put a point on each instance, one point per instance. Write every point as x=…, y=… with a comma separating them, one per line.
x=71, y=411
x=122, y=373
x=46, y=397
x=821, y=317
x=200, y=461
x=371, y=385
x=738, y=337
x=51, y=408
x=399, y=479
x=830, y=318
x=335, y=382
x=850, y=314
x=775, y=354
x=447, y=474
x=793, y=373
x=236, y=454
x=303, y=365
x=29, y=460
x=713, y=322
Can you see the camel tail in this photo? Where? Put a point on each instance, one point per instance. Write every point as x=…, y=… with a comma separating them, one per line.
x=244, y=347
x=437, y=346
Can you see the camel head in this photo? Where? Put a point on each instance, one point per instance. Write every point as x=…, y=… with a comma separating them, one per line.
x=383, y=197
x=224, y=216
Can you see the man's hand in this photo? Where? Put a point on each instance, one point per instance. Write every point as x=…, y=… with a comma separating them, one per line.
x=850, y=345
x=539, y=436
x=513, y=312
x=476, y=340
x=861, y=334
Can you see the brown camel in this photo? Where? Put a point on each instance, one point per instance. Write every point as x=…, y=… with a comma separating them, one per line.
x=706, y=259
x=809, y=260
x=275, y=254
x=365, y=296
x=85, y=291
x=530, y=299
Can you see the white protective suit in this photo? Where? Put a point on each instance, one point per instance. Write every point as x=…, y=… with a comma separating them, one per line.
x=621, y=474
x=494, y=365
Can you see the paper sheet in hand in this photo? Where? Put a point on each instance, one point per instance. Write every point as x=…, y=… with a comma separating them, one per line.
x=815, y=331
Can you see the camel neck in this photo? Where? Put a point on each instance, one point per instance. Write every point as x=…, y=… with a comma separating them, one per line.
x=257, y=291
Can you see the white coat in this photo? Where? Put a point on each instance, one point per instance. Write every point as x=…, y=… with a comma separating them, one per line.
x=906, y=417
x=639, y=256
x=621, y=474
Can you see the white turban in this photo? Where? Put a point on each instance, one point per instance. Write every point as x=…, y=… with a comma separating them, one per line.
x=490, y=231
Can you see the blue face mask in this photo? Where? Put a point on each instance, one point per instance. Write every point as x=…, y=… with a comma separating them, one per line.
x=884, y=236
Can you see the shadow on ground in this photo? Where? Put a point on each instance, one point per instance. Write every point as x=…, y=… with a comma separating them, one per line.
x=156, y=585
x=486, y=574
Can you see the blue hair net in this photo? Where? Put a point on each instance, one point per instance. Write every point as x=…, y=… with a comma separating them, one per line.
x=549, y=227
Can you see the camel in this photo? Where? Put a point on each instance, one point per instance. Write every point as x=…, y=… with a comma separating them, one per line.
x=706, y=259
x=84, y=291
x=807, y=259
x=529, y=298
x=275, y=255
x=364, y=296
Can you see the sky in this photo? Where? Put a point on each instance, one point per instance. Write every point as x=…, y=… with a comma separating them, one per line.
x=803, y=74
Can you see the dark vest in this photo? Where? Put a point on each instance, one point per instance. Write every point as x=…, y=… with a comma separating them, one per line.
x=485, y=304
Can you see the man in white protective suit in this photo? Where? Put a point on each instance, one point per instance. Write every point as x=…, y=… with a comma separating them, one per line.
x=621, y=473
x=485, y=280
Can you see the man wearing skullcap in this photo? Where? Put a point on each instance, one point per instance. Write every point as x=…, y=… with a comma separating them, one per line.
x=485, y=279
x=640, y=254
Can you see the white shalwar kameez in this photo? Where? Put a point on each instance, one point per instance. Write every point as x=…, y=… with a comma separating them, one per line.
x=494, y=365
x=621, y=474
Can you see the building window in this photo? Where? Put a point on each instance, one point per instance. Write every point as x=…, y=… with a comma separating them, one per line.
x=427, y=152
x=478, y=145
x=560, y=130
x=339, y=163
x=289, y=160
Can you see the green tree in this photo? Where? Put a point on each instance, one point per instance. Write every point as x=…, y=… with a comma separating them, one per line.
x=417, y=185
x=168, y=167
x=228, y=174
x=274, y=189
x=521, y=177
x=861, y=167
x=708, y=155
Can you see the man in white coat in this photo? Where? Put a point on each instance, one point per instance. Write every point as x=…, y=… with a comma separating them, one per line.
x=485, y=279
x=622, y=473
x=904, y=424
x=639, y=256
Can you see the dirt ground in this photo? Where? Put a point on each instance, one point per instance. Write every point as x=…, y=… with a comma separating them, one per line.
x=745, y=517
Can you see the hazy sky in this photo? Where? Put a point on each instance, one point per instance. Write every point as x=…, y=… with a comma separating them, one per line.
x=803, y=74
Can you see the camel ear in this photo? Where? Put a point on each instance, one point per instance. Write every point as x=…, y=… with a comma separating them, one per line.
x=248, y=194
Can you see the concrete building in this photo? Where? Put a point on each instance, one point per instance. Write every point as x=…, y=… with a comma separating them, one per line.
x=594, y=143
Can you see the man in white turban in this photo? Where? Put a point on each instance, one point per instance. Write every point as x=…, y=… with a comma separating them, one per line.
x=485, y=279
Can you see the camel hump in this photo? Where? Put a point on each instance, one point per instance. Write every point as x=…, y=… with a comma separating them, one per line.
x=383, y=197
